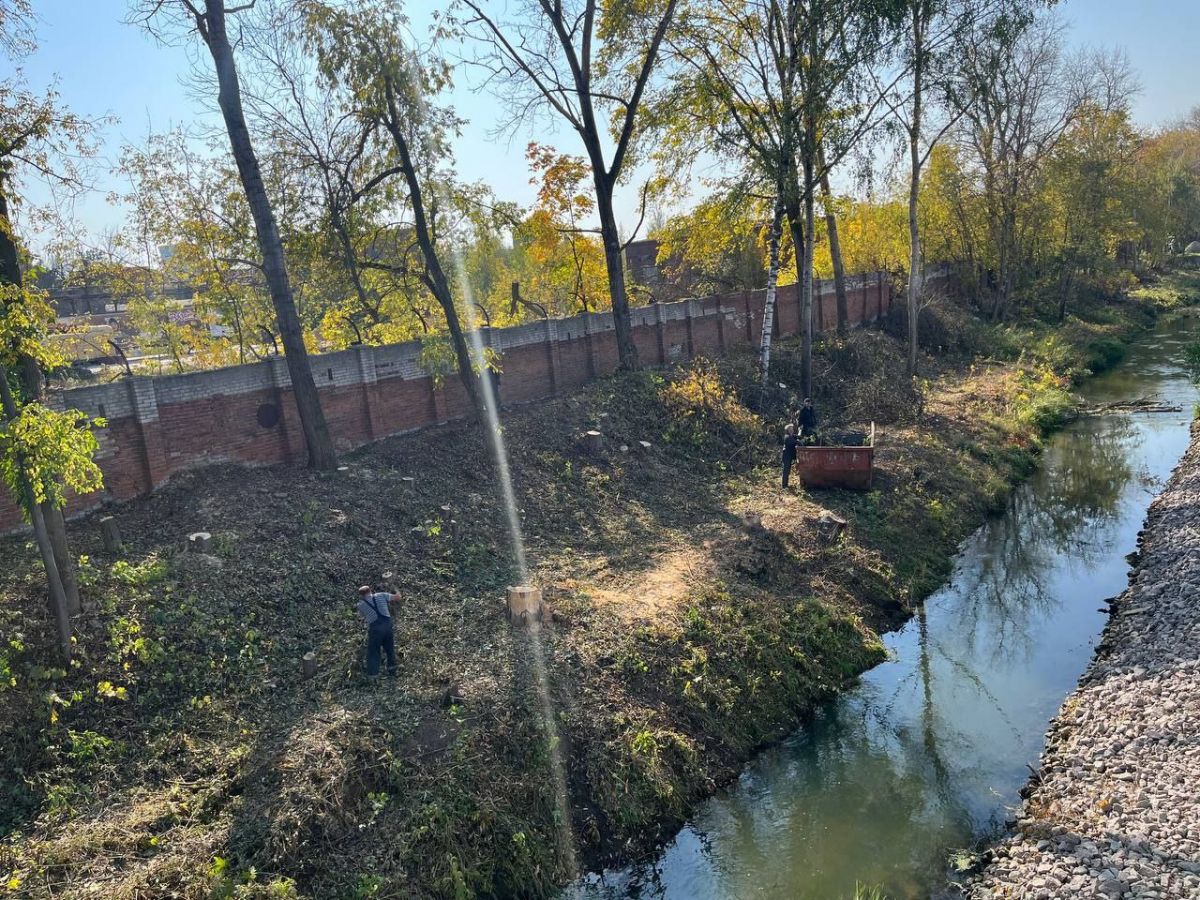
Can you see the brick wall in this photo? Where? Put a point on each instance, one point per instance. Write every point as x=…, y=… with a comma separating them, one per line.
x=165, y=424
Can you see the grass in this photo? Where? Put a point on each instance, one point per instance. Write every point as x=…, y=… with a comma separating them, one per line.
x=184, y=755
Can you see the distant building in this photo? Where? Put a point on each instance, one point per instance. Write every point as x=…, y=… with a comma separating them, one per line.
x=641, y=258
x=671, y=279
x=96, y=299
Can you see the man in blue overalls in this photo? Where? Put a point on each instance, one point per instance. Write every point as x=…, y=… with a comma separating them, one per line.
x=373, y=607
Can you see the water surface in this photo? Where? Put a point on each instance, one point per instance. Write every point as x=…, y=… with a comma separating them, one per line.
x=926, y=754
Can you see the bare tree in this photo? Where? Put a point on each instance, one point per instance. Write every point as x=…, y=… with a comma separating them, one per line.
x=590, y=64
x=210, y=21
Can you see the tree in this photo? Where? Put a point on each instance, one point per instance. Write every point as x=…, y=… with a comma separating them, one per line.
x=840, y=40
x=777, y=86
x=563, y=261
x=362, y=52
x=41, y=449
x=211, y=22
x=1168, y=198
x=1092, y=191
x=590, y=64
x=717, y=245
x=734, y=94
x=37, y=136
x=1017, y=98
x=193, y=204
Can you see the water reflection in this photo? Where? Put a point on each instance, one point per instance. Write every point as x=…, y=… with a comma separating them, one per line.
x=928, y=752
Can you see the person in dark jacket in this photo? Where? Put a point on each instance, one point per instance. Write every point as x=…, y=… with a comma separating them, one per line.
x=374, y=607
x=807, y=420
x=789, y=451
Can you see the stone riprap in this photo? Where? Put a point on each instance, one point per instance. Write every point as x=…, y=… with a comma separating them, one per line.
x=1116, y=812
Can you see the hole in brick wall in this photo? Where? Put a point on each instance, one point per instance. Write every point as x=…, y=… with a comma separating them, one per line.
x=267, y=415
x=329, y=372
x=101, y=412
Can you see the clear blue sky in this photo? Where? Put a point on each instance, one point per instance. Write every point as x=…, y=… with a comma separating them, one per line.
x=105, y=67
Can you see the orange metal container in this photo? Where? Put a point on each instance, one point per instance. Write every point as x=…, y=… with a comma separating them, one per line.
x=852, y=468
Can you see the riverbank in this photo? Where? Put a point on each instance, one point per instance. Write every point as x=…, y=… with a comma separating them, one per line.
x=698, y=615
x=1114, y=809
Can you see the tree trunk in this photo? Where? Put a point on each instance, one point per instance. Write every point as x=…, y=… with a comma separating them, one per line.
x=59, y=604
x=835, y=249
x=32, y=383
x=626, y=349
x=768, y=323
x=806, y=283
x=308, y=402
x=437, y=281
x=795, y=217
x=916, y=273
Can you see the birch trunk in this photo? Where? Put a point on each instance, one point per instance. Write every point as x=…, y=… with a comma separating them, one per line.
x=768, y=324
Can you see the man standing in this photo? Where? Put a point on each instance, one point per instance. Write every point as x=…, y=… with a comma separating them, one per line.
x=373, y=607
x=808, y=422
x=789, y=452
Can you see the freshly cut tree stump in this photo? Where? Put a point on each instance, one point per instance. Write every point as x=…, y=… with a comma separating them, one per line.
x=524, y=604
x=110, y=534
x=308, y=665
x=199, y=542
x=593, y=442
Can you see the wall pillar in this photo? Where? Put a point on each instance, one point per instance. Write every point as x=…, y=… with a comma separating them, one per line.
x=660, y=338
x=370, y=388
x=553, y=355
x=281, y=383
x=588, y=344
x=688, y=328
x=144, y=401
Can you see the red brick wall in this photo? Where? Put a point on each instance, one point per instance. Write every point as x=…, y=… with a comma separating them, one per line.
x=161, y=426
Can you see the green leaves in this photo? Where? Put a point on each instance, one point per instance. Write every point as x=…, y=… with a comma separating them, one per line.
x=25, y=316
x=55, y=448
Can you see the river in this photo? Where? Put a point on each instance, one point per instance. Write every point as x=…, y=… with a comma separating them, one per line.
x=926, y=754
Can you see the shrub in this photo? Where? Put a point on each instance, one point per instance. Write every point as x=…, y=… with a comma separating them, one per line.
x=702, y=407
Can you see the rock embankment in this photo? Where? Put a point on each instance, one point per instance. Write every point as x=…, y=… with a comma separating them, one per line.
x=1116, y=812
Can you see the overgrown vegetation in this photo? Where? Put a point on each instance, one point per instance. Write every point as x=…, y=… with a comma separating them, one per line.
x=697, y=615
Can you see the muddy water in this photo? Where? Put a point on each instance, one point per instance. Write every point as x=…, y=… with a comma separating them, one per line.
x=927, y=753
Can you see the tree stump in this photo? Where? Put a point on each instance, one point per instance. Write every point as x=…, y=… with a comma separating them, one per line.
x=593, y=443
x=110, y=534
x=199, y=542
x=408, y=482
x=829, y=526
x=524, y=604
x=308, y=665
x=645, y=446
